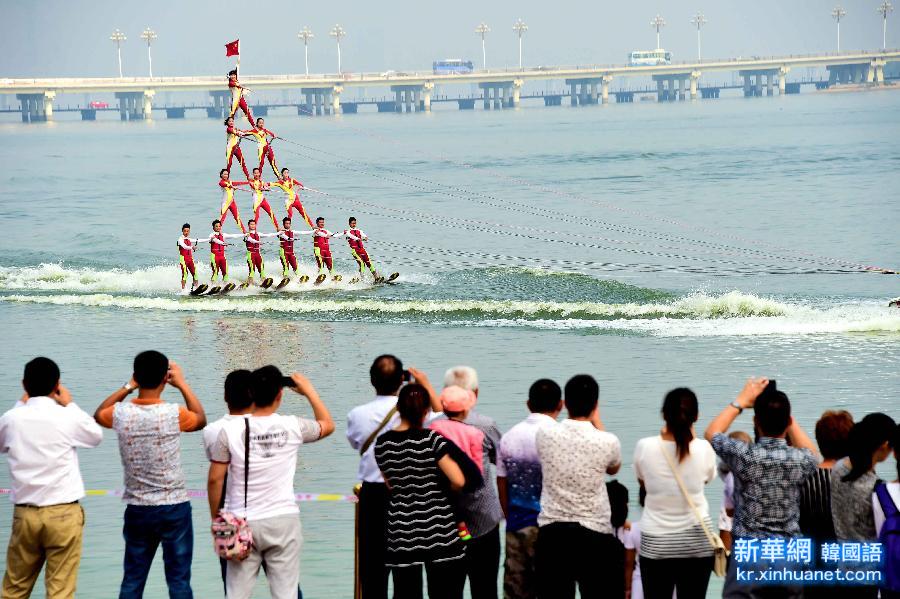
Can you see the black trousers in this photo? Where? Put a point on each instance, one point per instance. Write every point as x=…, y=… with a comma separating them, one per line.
x=568, y=554
x=445, y=580
x=483, y=564
x=373, y=574
x=689, y=575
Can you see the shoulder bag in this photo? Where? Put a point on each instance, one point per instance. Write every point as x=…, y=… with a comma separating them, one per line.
x=232, y=537
x=720, y=566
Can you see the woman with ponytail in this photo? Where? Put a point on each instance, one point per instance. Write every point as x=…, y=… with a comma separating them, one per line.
x=675, y=553
x=853, y=478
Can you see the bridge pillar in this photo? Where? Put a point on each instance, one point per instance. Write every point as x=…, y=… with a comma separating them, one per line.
x=147, y=103
x=498, y=98
x=426, y=96
x=695, y=77
x=335, y=98
x=33, y=107
x=770, y=84
x=593, y=92
x=307, y=108
x=49, y=96
x=660, y=95
x=680, y=89
x=221, y=99
x=876, y=71
x=782, y=80
x=747, y=91
x=516, y=92
x=604, y=88
x=573, y=97
x=757, y=91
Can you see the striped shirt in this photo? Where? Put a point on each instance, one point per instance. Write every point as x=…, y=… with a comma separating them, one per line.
x=815, y=506
x=421, y=526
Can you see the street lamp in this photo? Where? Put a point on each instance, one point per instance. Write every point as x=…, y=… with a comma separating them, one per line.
x=658, y=22
x=118, y=37
x=520, y=28
x=149, y=35
x=337, y=32
x=838, y=13
x=884, y=10
x=306, y=34
x=482, y=30
x=699, y=20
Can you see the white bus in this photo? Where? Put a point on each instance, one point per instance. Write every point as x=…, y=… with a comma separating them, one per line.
x=644, y=58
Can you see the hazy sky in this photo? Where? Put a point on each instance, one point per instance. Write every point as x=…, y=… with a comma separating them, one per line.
x=71, y=37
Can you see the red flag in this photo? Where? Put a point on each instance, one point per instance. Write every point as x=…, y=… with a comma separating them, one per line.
x=233, y=48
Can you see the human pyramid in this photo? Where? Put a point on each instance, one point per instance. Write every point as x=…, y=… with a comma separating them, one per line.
x=284, y=234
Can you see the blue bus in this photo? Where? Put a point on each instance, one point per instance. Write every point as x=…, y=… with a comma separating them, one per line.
x=452, y=66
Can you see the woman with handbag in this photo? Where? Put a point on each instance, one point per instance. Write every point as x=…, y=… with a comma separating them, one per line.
x=678, y=547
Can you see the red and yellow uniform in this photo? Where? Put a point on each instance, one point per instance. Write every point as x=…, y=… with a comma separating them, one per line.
x=228, y=204
x=259, y=200
x=238, y=101
x=293, y=198
x=186, y=248
x=321, y=249
x=254, y=257
x=288, y=258
x=355, y=239
x=217, y=260
x=264, y=148
x=233, y=149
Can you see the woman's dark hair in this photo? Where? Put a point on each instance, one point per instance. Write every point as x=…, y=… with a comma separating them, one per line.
x=680, y=413
x=832, y=431
x=866, y=437
x=412, y=404
x=618, y=503
x=896, y=444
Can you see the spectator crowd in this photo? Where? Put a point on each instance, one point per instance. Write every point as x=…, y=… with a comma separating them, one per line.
x=437, y=480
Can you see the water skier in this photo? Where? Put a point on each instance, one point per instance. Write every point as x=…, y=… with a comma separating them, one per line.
x=264, y=139
x=286, y=184
x=228, y=203
x=186, y=247
x=259, y=199
x=233, y=137
x=355, y=239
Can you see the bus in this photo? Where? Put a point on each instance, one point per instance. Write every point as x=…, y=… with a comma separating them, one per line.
x=649, y=58
x=452, y=66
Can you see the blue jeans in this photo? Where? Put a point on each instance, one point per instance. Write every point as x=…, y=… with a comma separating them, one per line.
x=146, y=526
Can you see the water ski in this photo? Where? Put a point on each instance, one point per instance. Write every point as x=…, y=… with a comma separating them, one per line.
x=894, y=303
x=266, y=283
x=393, y=277
x=303, y=279
x=199, y=289
x=319, y=279
x=336, y=278
x=354, y=280
x=213, y=290
x=283, y=282
x=245, y=284
x=227, y=288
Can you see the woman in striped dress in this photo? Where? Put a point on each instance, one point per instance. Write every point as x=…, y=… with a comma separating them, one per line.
x=421, y=526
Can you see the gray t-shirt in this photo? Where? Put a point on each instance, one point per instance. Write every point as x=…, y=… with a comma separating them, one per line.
x=851, y=504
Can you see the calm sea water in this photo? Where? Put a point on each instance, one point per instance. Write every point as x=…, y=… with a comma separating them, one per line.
x=652, y=246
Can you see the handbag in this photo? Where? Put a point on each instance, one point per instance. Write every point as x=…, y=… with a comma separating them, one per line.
x=720, y=565
x=232, y=537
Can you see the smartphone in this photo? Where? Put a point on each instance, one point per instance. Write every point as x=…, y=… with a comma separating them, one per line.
x=407, y=376
x=287, y=381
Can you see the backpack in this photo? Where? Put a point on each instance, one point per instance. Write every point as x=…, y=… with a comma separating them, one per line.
x=890, y=539
x=232, y=537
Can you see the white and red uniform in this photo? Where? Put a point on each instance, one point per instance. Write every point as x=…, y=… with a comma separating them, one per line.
x=254, y=257
x=321, y=248
x=217, y=243
x=186, y=247
x=355, y=239
x=288, y=258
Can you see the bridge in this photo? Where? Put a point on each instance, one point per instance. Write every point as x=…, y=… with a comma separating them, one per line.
x=501, y=88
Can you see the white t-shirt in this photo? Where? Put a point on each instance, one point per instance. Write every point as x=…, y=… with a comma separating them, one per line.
x=211, y=433
x=894, y=492
x=665, y=510
x=274, y=441
x=632, y=540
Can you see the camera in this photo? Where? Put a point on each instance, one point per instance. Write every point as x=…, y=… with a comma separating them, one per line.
x=407, y=376
x=287, y=381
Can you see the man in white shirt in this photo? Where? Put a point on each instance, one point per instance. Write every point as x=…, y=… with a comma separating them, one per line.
x=575, y=542
x=365, y=424
x=519, y=487
x=265, y=497
x=40, y=435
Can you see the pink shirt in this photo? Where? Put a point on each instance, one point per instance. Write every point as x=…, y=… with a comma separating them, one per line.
x=467, y=437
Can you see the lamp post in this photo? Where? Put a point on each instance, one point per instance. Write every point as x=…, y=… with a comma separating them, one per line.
x=148, y=35
x=884, y=10
x=838, y=13
x=699, y=20
x=482, y=30
x=306, y=34
x=118, y=37
x=520, y=28
x=658, y=22
x=337, y=32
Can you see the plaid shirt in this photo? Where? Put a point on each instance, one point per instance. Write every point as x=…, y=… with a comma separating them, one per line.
x=767, y=480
